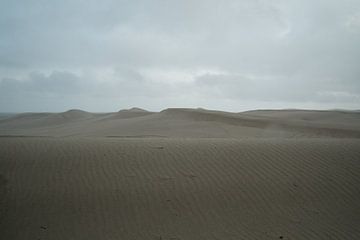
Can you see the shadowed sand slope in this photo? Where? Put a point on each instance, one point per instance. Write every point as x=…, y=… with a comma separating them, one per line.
x=106, y=188
x=198, y=123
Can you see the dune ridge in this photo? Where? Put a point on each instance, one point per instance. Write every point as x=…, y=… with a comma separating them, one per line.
x=182, y=122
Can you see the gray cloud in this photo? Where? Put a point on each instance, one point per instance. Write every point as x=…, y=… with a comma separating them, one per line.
x=275, y=88
x=58, y=83
x=103, y=55
x=58, y=91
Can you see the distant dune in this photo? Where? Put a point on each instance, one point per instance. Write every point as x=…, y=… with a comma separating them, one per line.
x=180, y=174
x=339, y=118
x=6, y=115
x=186, y=123
x=130, y=113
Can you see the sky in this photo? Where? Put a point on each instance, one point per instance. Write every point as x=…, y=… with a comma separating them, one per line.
x=231, y=55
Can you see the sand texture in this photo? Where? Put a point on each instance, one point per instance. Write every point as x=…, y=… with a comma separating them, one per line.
x=180, y=174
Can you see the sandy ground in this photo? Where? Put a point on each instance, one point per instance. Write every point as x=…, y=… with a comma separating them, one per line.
x=238, y=180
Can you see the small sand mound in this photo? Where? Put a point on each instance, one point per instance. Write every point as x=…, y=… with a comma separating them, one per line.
x=134, y=109
x=75, y=114
x=129, y=113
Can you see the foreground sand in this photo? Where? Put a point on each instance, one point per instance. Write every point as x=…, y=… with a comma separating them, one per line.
x=154, y=188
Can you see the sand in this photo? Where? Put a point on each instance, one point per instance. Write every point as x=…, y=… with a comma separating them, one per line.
x=179, y=174
x=185, y=123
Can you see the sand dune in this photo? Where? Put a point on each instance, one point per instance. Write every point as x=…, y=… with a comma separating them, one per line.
x=71, y=188
x=345, y=119
x=180, y=174
x=186, y=123
x=130, y=113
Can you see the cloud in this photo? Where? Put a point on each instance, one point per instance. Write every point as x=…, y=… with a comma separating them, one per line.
x=173, y=53
x=275, y=88
x=39, y=90
x=55, y=83
x=61, y=90
x=353, y=22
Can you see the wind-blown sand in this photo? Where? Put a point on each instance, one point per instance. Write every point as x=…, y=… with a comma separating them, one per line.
x=180, y=174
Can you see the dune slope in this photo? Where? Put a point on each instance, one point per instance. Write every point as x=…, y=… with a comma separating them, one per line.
x=150, y=188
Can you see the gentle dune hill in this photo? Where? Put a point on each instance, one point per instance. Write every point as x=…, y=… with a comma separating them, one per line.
x=179, y=122
x=130, y=113
x=341, y=118
x=75, y=114
x=34, y=120
x=106, y=188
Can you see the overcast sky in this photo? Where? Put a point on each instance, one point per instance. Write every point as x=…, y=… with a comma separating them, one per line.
x=231, y=55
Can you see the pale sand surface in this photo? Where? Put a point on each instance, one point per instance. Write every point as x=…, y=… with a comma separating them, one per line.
x=180, y=174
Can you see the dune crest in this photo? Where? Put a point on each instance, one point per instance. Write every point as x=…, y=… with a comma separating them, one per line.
x=187, y=122
x=75, y=114
x=133, y=109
